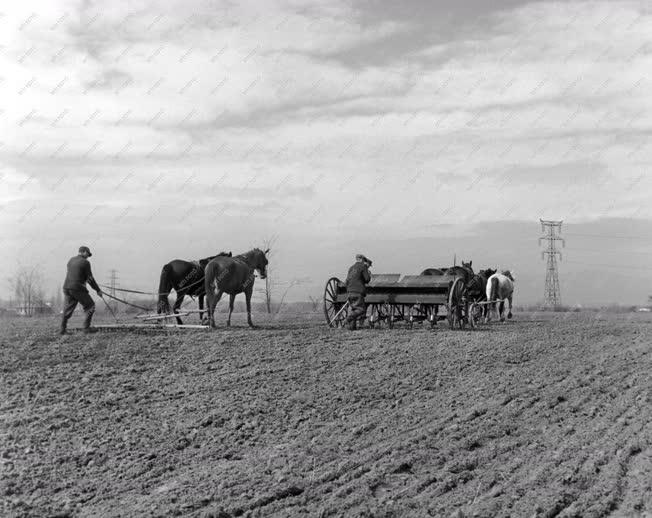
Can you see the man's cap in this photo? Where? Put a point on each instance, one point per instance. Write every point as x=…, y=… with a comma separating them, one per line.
x=360, y=257
x=83, y=249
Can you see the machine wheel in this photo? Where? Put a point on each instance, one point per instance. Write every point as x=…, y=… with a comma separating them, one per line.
x=456, y=305
x=334, y=311
x=475, y=315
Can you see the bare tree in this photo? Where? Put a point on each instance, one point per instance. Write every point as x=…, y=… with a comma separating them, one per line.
x=27, y=285
x=314, y=302
x=270, y=283
x=56, y=301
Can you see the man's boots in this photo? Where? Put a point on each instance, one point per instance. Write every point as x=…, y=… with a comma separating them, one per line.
x=87, y=322
x=64, y=325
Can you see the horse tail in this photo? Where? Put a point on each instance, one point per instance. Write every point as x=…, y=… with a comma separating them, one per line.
x=164, y=289
x=209, y=277
x=493, y=292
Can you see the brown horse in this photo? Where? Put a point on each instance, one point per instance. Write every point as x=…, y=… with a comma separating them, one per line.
x=186, y=278
x=477, y=286
x=233, y=275
x=465, y=271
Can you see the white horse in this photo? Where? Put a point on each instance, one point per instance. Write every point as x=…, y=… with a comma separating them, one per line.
x=500, y=286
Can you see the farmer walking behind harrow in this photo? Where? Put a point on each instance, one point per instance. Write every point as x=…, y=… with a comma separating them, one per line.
x=74, y=289
x=356, y=282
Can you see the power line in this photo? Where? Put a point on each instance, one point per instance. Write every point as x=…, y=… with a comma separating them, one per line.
x=619, y=266
x=113, y=283
x=608, y=236
x=609, y=251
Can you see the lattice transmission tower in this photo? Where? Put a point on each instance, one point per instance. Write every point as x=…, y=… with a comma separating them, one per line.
x=551, y=230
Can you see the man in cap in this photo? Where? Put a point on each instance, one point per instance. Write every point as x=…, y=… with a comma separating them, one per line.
x=74, y=289
x=356, y=282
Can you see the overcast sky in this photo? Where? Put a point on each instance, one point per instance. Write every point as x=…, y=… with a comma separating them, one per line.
x=150, y=130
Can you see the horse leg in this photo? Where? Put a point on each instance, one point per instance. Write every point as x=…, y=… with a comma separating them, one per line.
x=177, y=305
x=209, y=302
x=489, y=309
x=212, y=300
x=501, y=310
x=201, y=306
x=509, y=315
x=231, y=301
x=248, y=293
x=163, y=305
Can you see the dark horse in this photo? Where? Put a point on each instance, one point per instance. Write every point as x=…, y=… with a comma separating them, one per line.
x=233, y=275
x=476, y=289
x=465, y=271
x=186, y=278
x=477, y=286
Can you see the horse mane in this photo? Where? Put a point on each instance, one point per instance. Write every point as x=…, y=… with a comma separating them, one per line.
x=255, y=249
x=206, y=260
x=245, y=254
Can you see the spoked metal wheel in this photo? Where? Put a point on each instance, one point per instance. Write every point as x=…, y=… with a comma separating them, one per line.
x=475, y=315
x=457, y=306
x=335, y=312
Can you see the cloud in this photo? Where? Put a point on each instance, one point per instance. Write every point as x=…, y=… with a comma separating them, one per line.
x=322, y=118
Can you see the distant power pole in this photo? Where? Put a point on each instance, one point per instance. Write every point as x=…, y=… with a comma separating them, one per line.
x=112, y=283
x=551, y=230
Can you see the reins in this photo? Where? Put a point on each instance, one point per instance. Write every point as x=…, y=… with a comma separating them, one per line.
x=185, y=288
x=127, y=303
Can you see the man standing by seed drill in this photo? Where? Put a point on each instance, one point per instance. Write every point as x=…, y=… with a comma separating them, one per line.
x=74, y=289
x=356, y=282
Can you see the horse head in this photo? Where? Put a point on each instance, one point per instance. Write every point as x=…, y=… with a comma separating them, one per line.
x=468, y=266
x=509, y=275
x=259, y=261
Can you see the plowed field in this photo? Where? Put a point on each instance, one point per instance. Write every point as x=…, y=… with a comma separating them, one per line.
x=547, y=415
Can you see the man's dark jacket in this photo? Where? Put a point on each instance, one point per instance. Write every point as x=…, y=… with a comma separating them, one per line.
x=357, y=278
x=79, y=273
